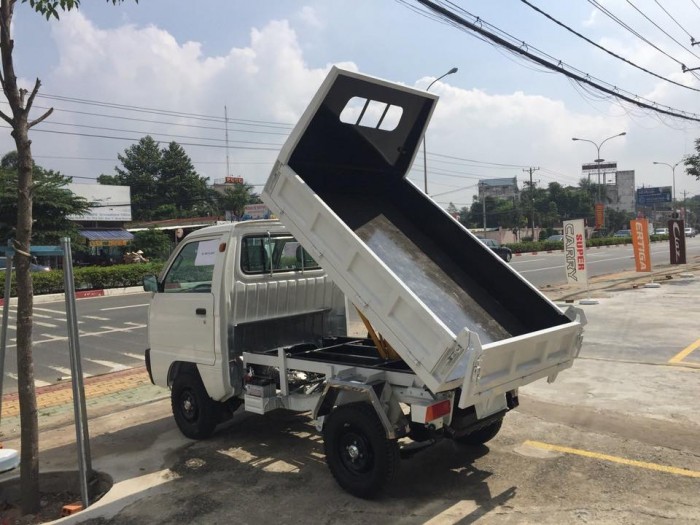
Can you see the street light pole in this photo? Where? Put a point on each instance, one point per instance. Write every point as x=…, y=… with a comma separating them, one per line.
x=425, y=155
x=598, y=160
x=673, y=173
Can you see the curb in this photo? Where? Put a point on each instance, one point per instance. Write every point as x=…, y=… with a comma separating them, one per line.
x=81, y=294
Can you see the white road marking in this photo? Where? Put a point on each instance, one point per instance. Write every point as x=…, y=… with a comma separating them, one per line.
x=133, y=356
x=34, y=314
x=528, y=260
x=37, y=382
x=52, y=336
x=62, y=312
x=45, y=325
x=65, y=372
x=123, y=307
x=96, y=318
x=115, y=367
x=86, y=334
x=541, y=269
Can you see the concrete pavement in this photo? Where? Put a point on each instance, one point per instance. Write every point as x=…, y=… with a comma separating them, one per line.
x=161, y=477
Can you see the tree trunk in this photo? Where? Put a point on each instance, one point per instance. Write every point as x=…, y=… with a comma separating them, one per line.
x=29, y=469
x=19, y=121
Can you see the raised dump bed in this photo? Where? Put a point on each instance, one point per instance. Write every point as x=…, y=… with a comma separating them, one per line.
x=456, y=313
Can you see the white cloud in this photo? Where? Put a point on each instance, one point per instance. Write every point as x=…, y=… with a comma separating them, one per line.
x=270, y=80
x=309, y=16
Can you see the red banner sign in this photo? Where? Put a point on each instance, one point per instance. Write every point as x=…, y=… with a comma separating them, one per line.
x=640, y=243
x=599, y=216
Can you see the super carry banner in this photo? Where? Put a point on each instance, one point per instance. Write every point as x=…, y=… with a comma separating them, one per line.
x=575, y=252
x=640, y=243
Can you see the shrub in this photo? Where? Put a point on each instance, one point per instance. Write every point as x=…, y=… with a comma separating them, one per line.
x=90, y=278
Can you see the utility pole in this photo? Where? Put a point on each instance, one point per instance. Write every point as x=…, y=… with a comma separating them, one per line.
x=532, y=201
x=483, y=202
x=228, y=170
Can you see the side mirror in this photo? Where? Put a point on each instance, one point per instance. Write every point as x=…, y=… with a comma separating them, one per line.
x=150, y=283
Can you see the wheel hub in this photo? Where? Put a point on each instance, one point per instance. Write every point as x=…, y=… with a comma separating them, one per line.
x=189, y=406
x=353, y=452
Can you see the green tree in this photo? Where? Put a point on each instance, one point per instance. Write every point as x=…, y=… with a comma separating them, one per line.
x=234, y=199
x=163, y=182
x=181, y=185
x=692, y=162
x=20, y=106
x=141, y=164
x=155, y=244
x=52, y=203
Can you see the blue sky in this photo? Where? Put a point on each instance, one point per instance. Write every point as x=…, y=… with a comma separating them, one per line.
x=264, y=61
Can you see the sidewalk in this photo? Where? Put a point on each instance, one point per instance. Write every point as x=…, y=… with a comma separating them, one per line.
x=135, y=441
x=104, y=394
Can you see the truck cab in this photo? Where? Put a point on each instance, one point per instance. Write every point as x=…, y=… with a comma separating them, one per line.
x=225, y=290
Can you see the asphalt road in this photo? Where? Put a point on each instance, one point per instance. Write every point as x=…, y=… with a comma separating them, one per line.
x=548, y=268
x=113, y=336
x=113, y=330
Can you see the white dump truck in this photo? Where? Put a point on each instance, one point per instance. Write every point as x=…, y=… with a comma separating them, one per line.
x=263, y=315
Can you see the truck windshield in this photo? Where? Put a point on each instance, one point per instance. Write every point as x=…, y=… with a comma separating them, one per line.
x=193, y=268
x=281, y=253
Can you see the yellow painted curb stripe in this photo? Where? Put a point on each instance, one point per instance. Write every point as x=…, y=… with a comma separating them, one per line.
x=685, y=352
x=614, y=459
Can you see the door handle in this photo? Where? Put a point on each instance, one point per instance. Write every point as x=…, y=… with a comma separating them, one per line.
x=201, y=311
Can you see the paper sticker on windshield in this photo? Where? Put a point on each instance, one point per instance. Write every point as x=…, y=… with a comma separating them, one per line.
x=206, y=253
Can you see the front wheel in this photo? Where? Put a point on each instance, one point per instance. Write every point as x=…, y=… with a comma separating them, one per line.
x=194, y=411
x=481, y=436
x=359, y=455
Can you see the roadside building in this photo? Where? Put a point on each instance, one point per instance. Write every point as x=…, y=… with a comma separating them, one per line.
x=102, y=226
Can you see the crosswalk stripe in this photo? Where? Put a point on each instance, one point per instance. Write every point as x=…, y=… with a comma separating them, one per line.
x=45, y=325
x=114, y=367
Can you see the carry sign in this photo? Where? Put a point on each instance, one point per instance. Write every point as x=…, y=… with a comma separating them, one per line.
x=640, y=243
x=575, y=252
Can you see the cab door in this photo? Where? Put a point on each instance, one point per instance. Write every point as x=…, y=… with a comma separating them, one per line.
x=182, y=318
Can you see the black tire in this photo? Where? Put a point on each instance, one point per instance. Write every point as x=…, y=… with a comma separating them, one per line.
x=196, y=414
x=481, y=436
x=508, y=257
x=359, y=455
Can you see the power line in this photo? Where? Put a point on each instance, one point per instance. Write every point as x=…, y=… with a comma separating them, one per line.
x=561, y=24
x=676, y=21
x=166, y=112
x=151, y=133
x=622, y=24
x=523, y=49
x=661, y=29
x=130, y=139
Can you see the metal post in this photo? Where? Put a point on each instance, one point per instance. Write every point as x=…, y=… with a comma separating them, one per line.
x=483, y=203
x=5, y=318
x=81, y=425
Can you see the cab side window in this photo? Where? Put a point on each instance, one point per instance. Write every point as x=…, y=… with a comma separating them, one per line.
x=193, y=268
x=280, y=253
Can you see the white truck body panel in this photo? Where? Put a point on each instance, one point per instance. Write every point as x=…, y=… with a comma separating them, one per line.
x=236, y=300
x=444, y=309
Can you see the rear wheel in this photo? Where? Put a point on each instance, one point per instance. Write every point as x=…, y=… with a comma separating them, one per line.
x=196, y=414
x=482, y=435
x=358, y=453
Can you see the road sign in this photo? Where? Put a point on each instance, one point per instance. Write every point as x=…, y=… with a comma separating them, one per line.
x=646, y=196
